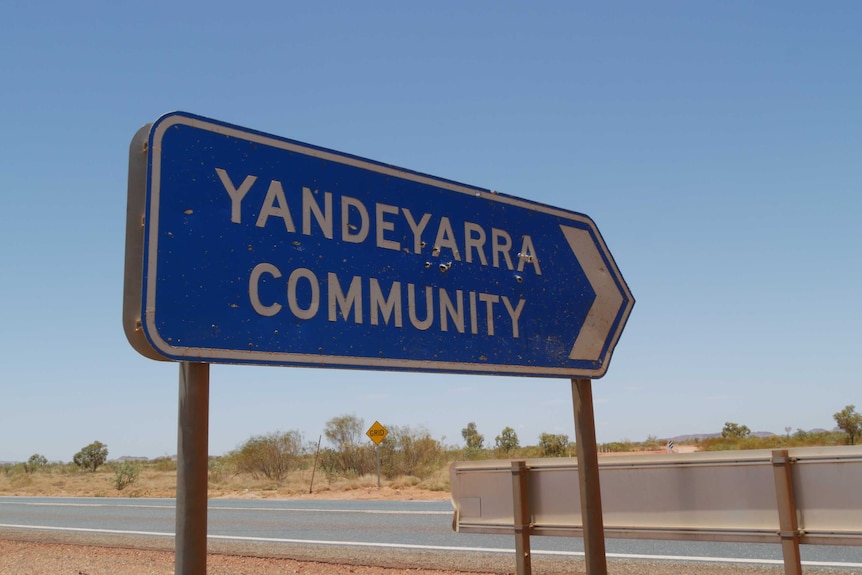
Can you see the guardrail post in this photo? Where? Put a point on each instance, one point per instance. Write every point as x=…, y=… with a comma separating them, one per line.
x=522, y=521
x=788, y=522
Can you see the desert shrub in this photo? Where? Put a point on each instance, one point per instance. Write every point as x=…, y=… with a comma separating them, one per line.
x=35, y=463
x=618, y=447
x=164, y=464
x=219, y=469
x=348, y=462
x=14, y=469
x=652, y=443
x=351, y=455
x=410, y=451
x=125, y=474
x=554, y=445
x=271, y=455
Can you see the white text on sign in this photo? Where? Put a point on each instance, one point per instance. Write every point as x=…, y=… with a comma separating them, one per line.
x=366, y=299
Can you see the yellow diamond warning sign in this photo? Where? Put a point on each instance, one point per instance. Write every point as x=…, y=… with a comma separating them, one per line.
x=377, y=433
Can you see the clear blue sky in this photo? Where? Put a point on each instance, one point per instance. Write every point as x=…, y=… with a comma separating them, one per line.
x=716, y=145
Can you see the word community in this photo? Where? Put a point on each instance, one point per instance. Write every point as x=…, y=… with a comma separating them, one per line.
x=359, y=299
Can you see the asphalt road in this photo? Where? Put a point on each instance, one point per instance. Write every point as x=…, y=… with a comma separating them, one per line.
x=364, y=526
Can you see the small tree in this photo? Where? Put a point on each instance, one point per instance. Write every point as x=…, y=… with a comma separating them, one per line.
x=91, y=456
x=850, y=423
x=507, y=441
x=553, y=445
x=735, y=431
x=472, y=437
x=35, y=462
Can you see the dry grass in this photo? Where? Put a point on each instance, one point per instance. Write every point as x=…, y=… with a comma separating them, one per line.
x=67, y=481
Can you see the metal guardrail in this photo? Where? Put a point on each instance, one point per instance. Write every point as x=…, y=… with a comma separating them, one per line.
x=795, y=496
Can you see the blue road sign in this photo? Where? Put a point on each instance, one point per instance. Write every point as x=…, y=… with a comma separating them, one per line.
x=252, y=248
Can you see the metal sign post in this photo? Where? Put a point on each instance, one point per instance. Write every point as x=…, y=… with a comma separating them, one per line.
x=588, y=477
x=377, y=455
x=192, y=469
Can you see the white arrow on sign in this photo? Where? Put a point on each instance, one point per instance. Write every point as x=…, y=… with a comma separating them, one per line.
x=606, y=306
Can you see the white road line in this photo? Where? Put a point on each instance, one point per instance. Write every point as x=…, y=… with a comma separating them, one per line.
x=85, y=530
x=732, y=560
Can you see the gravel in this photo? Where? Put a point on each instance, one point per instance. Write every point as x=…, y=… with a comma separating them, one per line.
x=38, y=553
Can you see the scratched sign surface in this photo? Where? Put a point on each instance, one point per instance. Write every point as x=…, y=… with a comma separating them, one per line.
x=259, y=249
